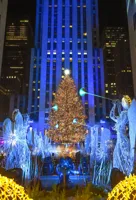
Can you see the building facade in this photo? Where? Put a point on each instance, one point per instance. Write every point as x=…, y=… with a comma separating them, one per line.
x=131, y=11
x=3, y=15
x=16, y=64
x=4, y=103
x=18, y=101
x=16, y=57
x=66, y=37
x=118, y=72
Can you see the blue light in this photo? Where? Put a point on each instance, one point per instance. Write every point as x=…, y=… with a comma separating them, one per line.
x=57, y=126
x=31, y=128
x=75, y=172
x=55, y=107
x=75, y=121
x=82, y=92
x=102, y=121
x=30, y=121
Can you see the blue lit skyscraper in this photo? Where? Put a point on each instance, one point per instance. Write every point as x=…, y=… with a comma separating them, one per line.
x=66, y=37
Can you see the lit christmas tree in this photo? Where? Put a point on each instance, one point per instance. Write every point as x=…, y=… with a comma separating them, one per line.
x=67, y=123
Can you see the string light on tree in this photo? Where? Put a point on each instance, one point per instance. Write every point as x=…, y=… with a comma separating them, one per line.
x=62, y=129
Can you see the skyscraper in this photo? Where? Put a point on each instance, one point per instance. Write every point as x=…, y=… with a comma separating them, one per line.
x=118, y=73
x=66, y=37
x=16, y=57
x=4, y=103
x=131, y=11
x=3, y=15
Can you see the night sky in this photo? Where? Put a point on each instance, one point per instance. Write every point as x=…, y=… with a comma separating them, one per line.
x=111, y=12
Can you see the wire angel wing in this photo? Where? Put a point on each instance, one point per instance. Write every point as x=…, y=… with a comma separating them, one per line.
x=132, y=128
x=7, y=127
x=132, y=111
x=7, y=130
x=18, y=119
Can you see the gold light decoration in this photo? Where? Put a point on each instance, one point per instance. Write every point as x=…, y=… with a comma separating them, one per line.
x=62, y=128
x=11, y=190
x=66, y=151
x=124, y=190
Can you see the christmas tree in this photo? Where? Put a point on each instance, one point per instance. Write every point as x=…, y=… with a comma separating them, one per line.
x=67, y=123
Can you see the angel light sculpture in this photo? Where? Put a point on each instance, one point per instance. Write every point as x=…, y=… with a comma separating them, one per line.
x=121, y=154
x=100, y=155
x=15, y=144
x=132, y=130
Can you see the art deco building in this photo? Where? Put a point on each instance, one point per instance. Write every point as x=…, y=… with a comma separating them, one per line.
x=118, y=72
x=131, y=11
x=66, y=37
x=3, y=15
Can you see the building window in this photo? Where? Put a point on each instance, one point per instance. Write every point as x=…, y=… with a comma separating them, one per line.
x=50, y=2
x=54, y=45
x=55, y=2
x=55, y=32
x=63, y=16
x=49, y=32
x=85, y=46
x=84, y=20
x=78, y=22
x=70, y=15
x=63, y=32
x=79, y=75
x=71, y=66
x=79, y=45
x=70, y=33
x=63, y=45
x=49, y=46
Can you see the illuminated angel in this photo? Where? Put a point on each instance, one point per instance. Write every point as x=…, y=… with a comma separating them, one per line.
x=15, y=144
x=132, y=130
x=121, y=155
